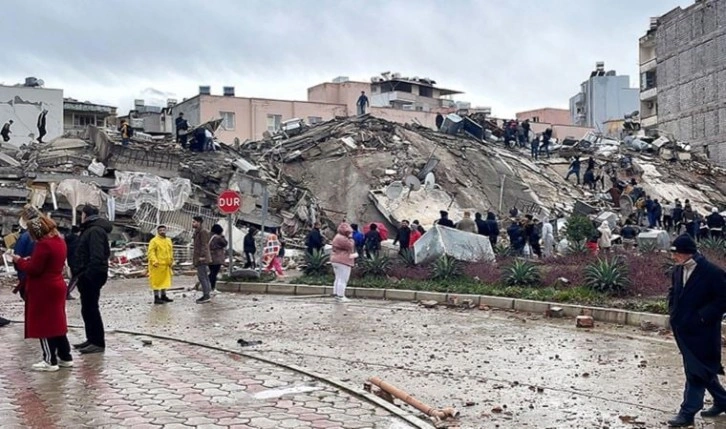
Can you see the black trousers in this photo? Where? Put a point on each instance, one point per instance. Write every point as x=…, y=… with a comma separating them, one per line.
x=90, y=291
x=213, y=272
x=250, y=260
x=695, y=391
x=56, y=348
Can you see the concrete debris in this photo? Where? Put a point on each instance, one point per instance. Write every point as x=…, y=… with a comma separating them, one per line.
x=584, y=322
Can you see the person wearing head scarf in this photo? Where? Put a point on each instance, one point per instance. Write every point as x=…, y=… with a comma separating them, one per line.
x=45, y=291
x=271, y=258
x=342, y=258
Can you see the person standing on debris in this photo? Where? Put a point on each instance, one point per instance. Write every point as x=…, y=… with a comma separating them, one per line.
x=444, y=219
x=629, y=234
x=45, y=304
x=91, y=259
x=182, y=126
x=606, y=237
x=126, y=133
x=71, y=240
x=373, y=241
x=439, y=121
x=534, y=148
x=588, y=179
x=696, y=305
x=482, y=228
x=5, y=133
x=250, y=248
x=217, y=246
x=359, y=238
x=574, y=169
x=640, y=210
x=715, y=223
x=201, y=258
x=521, y=136
x=591, y=164
x=527, y=128
x=546, y=140
x=403, y=237
x=516, y=238
x=41, y=125
x=467, y=224
x=342, y=258
x=548, y=239
x=492, y=228
x=161, y=260
x=315, y=241
x=362, y=103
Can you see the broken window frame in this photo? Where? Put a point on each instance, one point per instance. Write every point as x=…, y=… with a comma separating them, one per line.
x=228, y=117
x=274, y=122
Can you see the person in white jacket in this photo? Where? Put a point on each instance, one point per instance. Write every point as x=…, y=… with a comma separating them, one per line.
x=548, y=239
x=606, y=237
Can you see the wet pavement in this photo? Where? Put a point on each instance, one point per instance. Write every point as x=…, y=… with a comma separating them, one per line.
x=500, y=369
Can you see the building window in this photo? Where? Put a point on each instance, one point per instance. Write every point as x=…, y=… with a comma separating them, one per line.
x=85, y=120
x=314, y=120
x=425, y=91
x=535, y=118
x=227, y=120
x=273, y=122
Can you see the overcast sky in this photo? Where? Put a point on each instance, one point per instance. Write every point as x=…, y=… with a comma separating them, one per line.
x=510, y=55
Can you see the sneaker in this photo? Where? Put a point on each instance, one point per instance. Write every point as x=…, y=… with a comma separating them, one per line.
x=44, y=366
x=91, y=348
x=166, y=299
x=158, y=300
x=81, y=345
x=204, y=300
x=65, y=363
x=343, y=299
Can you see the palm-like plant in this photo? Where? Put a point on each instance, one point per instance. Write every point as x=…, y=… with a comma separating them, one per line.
x=577, y=247
x=408, y=257
x=714, y=244
x=377, y=265
x=316, y=263
x=521, y=273
x=445, y=268
x=647, y=247
x=608, y=276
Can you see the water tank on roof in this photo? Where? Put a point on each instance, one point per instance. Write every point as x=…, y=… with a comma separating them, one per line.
x=341, y=79
x=205, y=90
x=610, y=73
x=228, y=91
x=31, y=81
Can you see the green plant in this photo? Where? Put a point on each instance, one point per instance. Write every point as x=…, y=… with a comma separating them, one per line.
x=609, y=276
x=714, y=244
x=376, y=266
x=579, y=228
x=408, y=257
x=503, y=250
x=577, y=247
x=316, y=263
x=446, y=268
x=521, y=273
x=647, y=247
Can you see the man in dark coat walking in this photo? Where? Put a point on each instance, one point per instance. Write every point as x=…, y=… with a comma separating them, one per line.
x=315, y=240
x=696, y=303
x=403, y=237
x=250, y=248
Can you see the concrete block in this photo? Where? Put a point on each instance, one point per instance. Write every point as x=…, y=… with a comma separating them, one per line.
x=584, y=322
x=400, y=295
x=431, y=296
x=529, y=306
x=309, y=290
x=497, y=302
x=659, y=320
x=610, y=315
x=228, y=287
x=366, y=293
x=460, y=299
x=258, y=288
x=281, y=289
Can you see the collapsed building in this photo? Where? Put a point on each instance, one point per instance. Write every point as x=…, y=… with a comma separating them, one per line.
x=361, y=169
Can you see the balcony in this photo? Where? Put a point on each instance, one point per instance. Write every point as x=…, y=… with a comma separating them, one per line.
x=649, y=94
x=648, y=65
x=648, y=122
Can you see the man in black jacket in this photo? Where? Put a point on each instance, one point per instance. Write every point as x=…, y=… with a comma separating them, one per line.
x=445, y=221
x=182, y=127
x=373, y=241
x=715, y=223
x=250, y=248
x=492, y=228
x=696, y=304
x=315, y=240
x=481, y=225
x=42, y=125
x=403, y=237
x=91, y=262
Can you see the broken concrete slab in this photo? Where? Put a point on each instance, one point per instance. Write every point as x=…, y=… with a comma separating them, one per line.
x=443, y=241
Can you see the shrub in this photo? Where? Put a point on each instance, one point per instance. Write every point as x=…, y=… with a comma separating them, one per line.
x=647, y=247
x=521, y=273
x=609, y=276
x=408, y=257
x=579, y=228
x=648, y=275
x=578, y=248
x=403, y=272
x=446, y=268
x=316, y=263
x=503, y=250
x=377, y=266
x=487, y=272
x=717, y=245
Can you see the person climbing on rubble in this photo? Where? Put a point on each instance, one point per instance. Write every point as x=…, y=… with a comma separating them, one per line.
x=249, y=247
x=439, y=121
x=715, y=223
x=546, y=141
x=161, y=260
x=362, y=103
x=444, y=220
x=373, y=241
x=516, y=238
x=466, y=224
x=574, y=169
x=126, y=132
x=588, y=179
x=217, y=246
x=403, y=237
x=493, y=228
x=591, y=164
x=201, y=258
x=5, y=133
x=42, y=125
x=342, y=258
x=182, y=126
x=315, y=241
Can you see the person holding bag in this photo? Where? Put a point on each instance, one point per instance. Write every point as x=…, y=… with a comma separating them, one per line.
x=342, y=259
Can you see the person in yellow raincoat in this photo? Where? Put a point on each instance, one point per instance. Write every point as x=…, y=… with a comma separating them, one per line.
x=161, y=259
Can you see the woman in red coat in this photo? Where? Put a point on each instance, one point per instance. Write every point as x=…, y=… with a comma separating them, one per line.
x=45, y=301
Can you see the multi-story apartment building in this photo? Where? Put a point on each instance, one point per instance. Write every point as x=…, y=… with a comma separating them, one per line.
x=683, y=76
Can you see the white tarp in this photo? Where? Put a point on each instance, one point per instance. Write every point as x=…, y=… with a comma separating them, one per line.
x=134, y=189
x=78, y=193
x=464, y=246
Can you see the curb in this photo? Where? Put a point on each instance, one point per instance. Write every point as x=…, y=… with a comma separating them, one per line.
x=358, y=393
x=600, y=314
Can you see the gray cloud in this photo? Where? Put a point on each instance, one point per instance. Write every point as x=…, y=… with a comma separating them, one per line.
x=509, y=55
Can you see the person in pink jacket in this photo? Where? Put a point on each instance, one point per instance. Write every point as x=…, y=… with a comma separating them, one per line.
x=342, y=258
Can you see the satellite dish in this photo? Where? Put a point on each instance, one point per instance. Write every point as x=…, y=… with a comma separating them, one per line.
x=635, y=113
x=41, y=82
x=430, y=181
x=394, y=190
x=412, y=183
